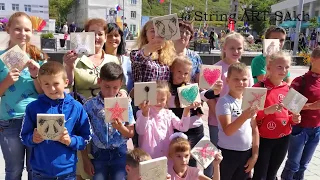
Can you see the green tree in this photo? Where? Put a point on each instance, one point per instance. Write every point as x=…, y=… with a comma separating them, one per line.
x=59, y=9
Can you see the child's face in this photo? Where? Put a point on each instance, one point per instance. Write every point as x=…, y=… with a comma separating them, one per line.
x=181, y=73
x=238, y=81
x=133, y=173
x=100, y=35
x=233, y=49
x=280, y=36
x=53, y=85
x=162, y=98
x=278, y=68
x=315, y=62
x=181, y=159
x=20, y=31
x=109, y=88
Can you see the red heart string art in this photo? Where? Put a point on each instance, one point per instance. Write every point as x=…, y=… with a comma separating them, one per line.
x=211, y=76
x=116, y=112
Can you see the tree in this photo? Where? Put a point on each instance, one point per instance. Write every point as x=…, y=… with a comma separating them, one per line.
x=59, y=9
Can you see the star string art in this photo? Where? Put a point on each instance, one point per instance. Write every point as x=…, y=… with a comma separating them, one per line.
x=205, y=150
x=116, y=112
x=257, y=98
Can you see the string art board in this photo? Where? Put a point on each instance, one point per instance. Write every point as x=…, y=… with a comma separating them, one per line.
x=83, y=43
x=167, y=27
x=154, y=169
x=189, y=94
x=254, y=96
x=209, y=74
x=116, y=108
x=294, y=101
x=270, y=46
x=50, y=126
x=204, y=152
x=15, y=58
x=145, y=91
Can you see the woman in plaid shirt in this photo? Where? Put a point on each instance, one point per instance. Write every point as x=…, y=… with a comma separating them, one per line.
x=154, y=56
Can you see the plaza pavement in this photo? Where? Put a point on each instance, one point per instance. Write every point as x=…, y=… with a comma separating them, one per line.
x=312, y=172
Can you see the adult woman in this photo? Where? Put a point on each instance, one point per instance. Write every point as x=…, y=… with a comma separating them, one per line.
x=186, y=32
x=18, y=87
x=115, y=45
x=83, y=72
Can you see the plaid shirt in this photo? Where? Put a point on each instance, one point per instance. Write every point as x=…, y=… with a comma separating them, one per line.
x=145, y=70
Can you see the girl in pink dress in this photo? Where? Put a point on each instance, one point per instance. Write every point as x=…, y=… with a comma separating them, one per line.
x=179, y=154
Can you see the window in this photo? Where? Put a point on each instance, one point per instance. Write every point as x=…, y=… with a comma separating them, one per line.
x=133, y=28
x=27, y=8
x=133, y=14
x=40, y=11
x=133, y=1
x=2, y=7
x=15, y=7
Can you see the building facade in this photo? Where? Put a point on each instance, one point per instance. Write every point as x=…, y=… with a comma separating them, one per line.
x=130, y=12
x=310, y=7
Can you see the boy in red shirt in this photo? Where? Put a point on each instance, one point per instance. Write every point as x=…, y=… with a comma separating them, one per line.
x=305, y=136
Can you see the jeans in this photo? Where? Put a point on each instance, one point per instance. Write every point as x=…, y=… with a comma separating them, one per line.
x=39, y=176
x=302, y=145
x=109, y=164
x=13, y=150
x=271, y=154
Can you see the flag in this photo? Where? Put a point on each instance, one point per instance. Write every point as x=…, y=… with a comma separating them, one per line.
x=118, y=8
x=161, y=1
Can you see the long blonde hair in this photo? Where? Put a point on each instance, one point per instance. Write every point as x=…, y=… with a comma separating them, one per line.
x=233, y=36
x=166, y=55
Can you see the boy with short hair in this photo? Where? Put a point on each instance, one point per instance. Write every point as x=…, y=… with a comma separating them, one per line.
x=55, y=159
x=109, y=140
x=258, y=63
x=238, y=132
x=134, y=157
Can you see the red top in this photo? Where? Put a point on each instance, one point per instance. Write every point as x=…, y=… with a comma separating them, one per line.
x=277, y=125
x=311, y=90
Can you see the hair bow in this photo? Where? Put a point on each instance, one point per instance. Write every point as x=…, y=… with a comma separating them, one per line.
x=177, y=135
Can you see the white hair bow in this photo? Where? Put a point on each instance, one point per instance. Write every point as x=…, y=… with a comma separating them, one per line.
x=177, y=135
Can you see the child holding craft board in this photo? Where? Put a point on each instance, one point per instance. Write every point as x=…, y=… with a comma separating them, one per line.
x=18, y=87
x=274, y=122
x=306, y=135
x=109, y=140
x=55, y=159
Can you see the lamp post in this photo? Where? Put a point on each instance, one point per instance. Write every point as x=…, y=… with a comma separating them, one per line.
x=298, y=28
x=187, y=12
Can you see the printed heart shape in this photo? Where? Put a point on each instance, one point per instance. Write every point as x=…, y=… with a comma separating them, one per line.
x=190, y=94
x=211, y=76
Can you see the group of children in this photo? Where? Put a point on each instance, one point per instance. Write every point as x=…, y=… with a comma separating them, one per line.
x=248, y=140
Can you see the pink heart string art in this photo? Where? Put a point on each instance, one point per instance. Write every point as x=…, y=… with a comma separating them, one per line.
x=211, y=76
x=116, y=112
x=257, y=98
x=205, y=150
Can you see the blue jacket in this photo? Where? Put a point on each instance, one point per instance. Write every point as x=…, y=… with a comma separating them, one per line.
x=53, y=158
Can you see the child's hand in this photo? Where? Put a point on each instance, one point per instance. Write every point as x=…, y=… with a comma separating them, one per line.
x=65, y=138
x=168, y=177
x=217, y=158
x=36, y=138
x=315, y=105
x=122, y=93
x=296, y=118
x=273, y=109
x=250, y=163
x=117, y=124
x=194, y=105
x=217, y=87
x=144, y=108
x=250, y=112
x=33, y=67
x=88, y=167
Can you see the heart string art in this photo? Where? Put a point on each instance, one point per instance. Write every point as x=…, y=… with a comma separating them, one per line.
x=211, y=76
x=190, y=94
x=117, y=112
x=257, y=98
